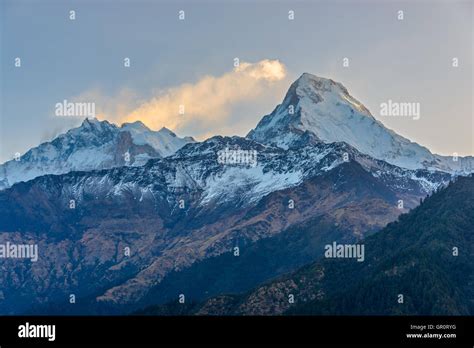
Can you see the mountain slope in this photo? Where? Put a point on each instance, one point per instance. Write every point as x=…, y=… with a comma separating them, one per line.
x=412, y=257
x=164, y=141
x=139, y=207
x=177, y=212
x=93, y=145
x=325, y=109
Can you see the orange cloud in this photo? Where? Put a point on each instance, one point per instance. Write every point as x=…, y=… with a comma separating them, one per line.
x=208, y=102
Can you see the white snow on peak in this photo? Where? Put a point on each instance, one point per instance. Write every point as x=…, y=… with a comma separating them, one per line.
x=248, y=184
x=326, y=109
x=93, y=145
x=137, y=126
x=164, y=141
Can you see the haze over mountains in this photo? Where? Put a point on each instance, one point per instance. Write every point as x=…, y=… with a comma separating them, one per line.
x=329, y=164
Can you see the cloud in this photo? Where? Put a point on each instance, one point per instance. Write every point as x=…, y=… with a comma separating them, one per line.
x=112, y=108
x=207, y=103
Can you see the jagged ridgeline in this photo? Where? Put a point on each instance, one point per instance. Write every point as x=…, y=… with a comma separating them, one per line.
x=124, y=217
x=420, y=264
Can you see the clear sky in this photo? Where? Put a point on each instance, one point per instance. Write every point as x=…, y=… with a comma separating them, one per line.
x=192, y=60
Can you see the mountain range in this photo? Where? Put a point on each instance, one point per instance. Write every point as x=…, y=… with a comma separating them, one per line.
x=142, y=230
x=324, y=109
x=419, y=265
x=93, y=145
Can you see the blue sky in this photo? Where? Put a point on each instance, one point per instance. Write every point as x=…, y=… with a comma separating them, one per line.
x=407, y=60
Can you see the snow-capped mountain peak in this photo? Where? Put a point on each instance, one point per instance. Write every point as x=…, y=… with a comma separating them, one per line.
x=319, y=89
x=164, y=141
x=325, y=109
x=137, y=126
x=93, y=145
